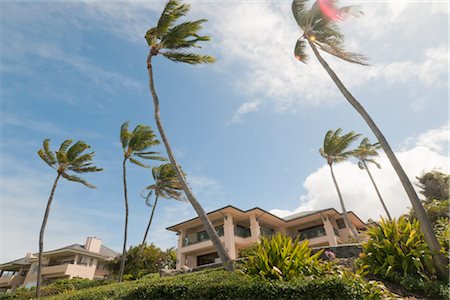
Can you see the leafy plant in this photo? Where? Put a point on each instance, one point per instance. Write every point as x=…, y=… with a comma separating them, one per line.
x=442, y=229
x=397, y=247
x=280, y=257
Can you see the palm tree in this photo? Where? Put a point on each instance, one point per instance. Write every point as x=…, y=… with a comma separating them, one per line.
x=363, y=153
x=63, y=161
x=135, y=146
x=335, y=150
x=173, y=42
x=166, y=186
x=320, y=31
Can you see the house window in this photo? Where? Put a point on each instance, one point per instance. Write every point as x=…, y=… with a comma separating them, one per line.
x=312, y=232
x=242, y=231
x=207, y=259
x=340, y=223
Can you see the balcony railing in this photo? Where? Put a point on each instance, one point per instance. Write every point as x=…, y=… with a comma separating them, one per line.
x=313, y=232
x=242, y=231
x=200, y=237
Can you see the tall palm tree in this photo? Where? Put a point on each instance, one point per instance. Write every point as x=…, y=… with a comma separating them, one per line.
x=63, y=161
x=321, y=32
x=174, y=42
x=363, y=153
x=166, y=186
x=135, y=145
x=335, y=150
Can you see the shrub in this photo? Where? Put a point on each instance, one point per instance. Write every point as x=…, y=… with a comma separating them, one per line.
x=55, y=288
x=397, y=247
x=219, y=284
x=280, y=257
x=442, y=229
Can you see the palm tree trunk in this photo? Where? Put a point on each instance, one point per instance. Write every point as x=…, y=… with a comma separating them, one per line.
x=221, y=252
x=344, y=211
x=430, y=237
x=41, y=238
x=376, y=189
x=149, y=224
x=124, y=249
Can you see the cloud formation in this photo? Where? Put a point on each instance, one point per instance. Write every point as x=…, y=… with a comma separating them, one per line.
x=357, y=190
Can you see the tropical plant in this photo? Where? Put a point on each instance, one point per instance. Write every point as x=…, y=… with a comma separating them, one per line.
x=442, y=229
x=321, y=31
x=140, y=261
x=135, y=145
x=434, y=185
x=166, y=186
x=174, y=42
x=280, y=257
x=64, y=161
x=365, y=153
x=397, y=248
x=335, y=150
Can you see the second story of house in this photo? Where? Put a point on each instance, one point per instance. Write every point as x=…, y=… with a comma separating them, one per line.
x=239, y=229
x=76, y=260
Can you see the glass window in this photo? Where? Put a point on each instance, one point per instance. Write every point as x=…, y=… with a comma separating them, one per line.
x=340, y=223
x=313, y=232
x=242, y=231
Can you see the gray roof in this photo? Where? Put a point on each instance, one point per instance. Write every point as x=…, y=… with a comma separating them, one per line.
x=299, y=215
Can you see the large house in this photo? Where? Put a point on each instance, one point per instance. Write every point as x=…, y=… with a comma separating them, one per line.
x=240, y=229
x=74, y=261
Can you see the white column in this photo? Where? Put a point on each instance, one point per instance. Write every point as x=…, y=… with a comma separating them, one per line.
x=181, y=257
x=228, y=230
x=255, y=229
x=329, y=231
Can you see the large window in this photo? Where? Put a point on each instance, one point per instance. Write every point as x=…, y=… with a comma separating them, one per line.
x=242, y=231
x=207, y=259
x=312, y=232
x=340, y=223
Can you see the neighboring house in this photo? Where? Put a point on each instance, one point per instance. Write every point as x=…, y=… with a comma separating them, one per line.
x=74, y=261
x=240, y=229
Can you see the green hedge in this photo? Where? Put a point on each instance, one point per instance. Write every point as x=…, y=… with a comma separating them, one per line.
x=219, y=284
x=57, y=287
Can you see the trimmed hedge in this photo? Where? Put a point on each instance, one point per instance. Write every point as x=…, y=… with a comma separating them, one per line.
x=219, y=284
x=57, y=287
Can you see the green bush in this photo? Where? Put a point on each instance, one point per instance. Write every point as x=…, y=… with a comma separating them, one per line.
x=55, y=288
x=280, y=257
x=397, y=247
x=442, y=229
x=219, y=284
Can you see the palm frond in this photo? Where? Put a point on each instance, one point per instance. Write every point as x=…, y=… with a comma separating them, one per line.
x=189, y=58
x=125, y=134
x=61, y=154
x=151, y=157
x=76, y=149
x=77, y=179
x=138, y=163
x=45, y=158
x=299, y=11
x=181, y=33
x=85, y=169
x=171, y=13
x=48, y=153
x=339, y=52
x=82, y=159
x=335, y=145
x=299, y=50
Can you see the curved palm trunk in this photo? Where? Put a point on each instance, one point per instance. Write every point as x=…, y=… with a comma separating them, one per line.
x=124, y=249
x=430, y=237
x=222, y=253
x=41, y=238
x=344, y=211
x=149, y=224
x=376, y=189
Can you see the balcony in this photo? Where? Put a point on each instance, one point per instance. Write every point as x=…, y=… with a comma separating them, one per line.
x=313, y=232
x=63, y=270
x=6, y=281
x=201, y=236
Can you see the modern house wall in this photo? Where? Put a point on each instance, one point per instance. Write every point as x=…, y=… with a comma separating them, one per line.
x=239, y=230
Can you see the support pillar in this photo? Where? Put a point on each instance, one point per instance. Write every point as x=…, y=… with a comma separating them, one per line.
x=181, y=257
x=228, y=229
x=332, y=239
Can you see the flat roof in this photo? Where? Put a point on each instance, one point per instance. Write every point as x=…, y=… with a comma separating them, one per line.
x=286, y=219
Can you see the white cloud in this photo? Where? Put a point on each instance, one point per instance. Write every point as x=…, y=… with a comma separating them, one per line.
x=244, y=109
x=357, y=190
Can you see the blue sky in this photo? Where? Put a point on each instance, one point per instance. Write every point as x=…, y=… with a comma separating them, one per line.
x=246, y=130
